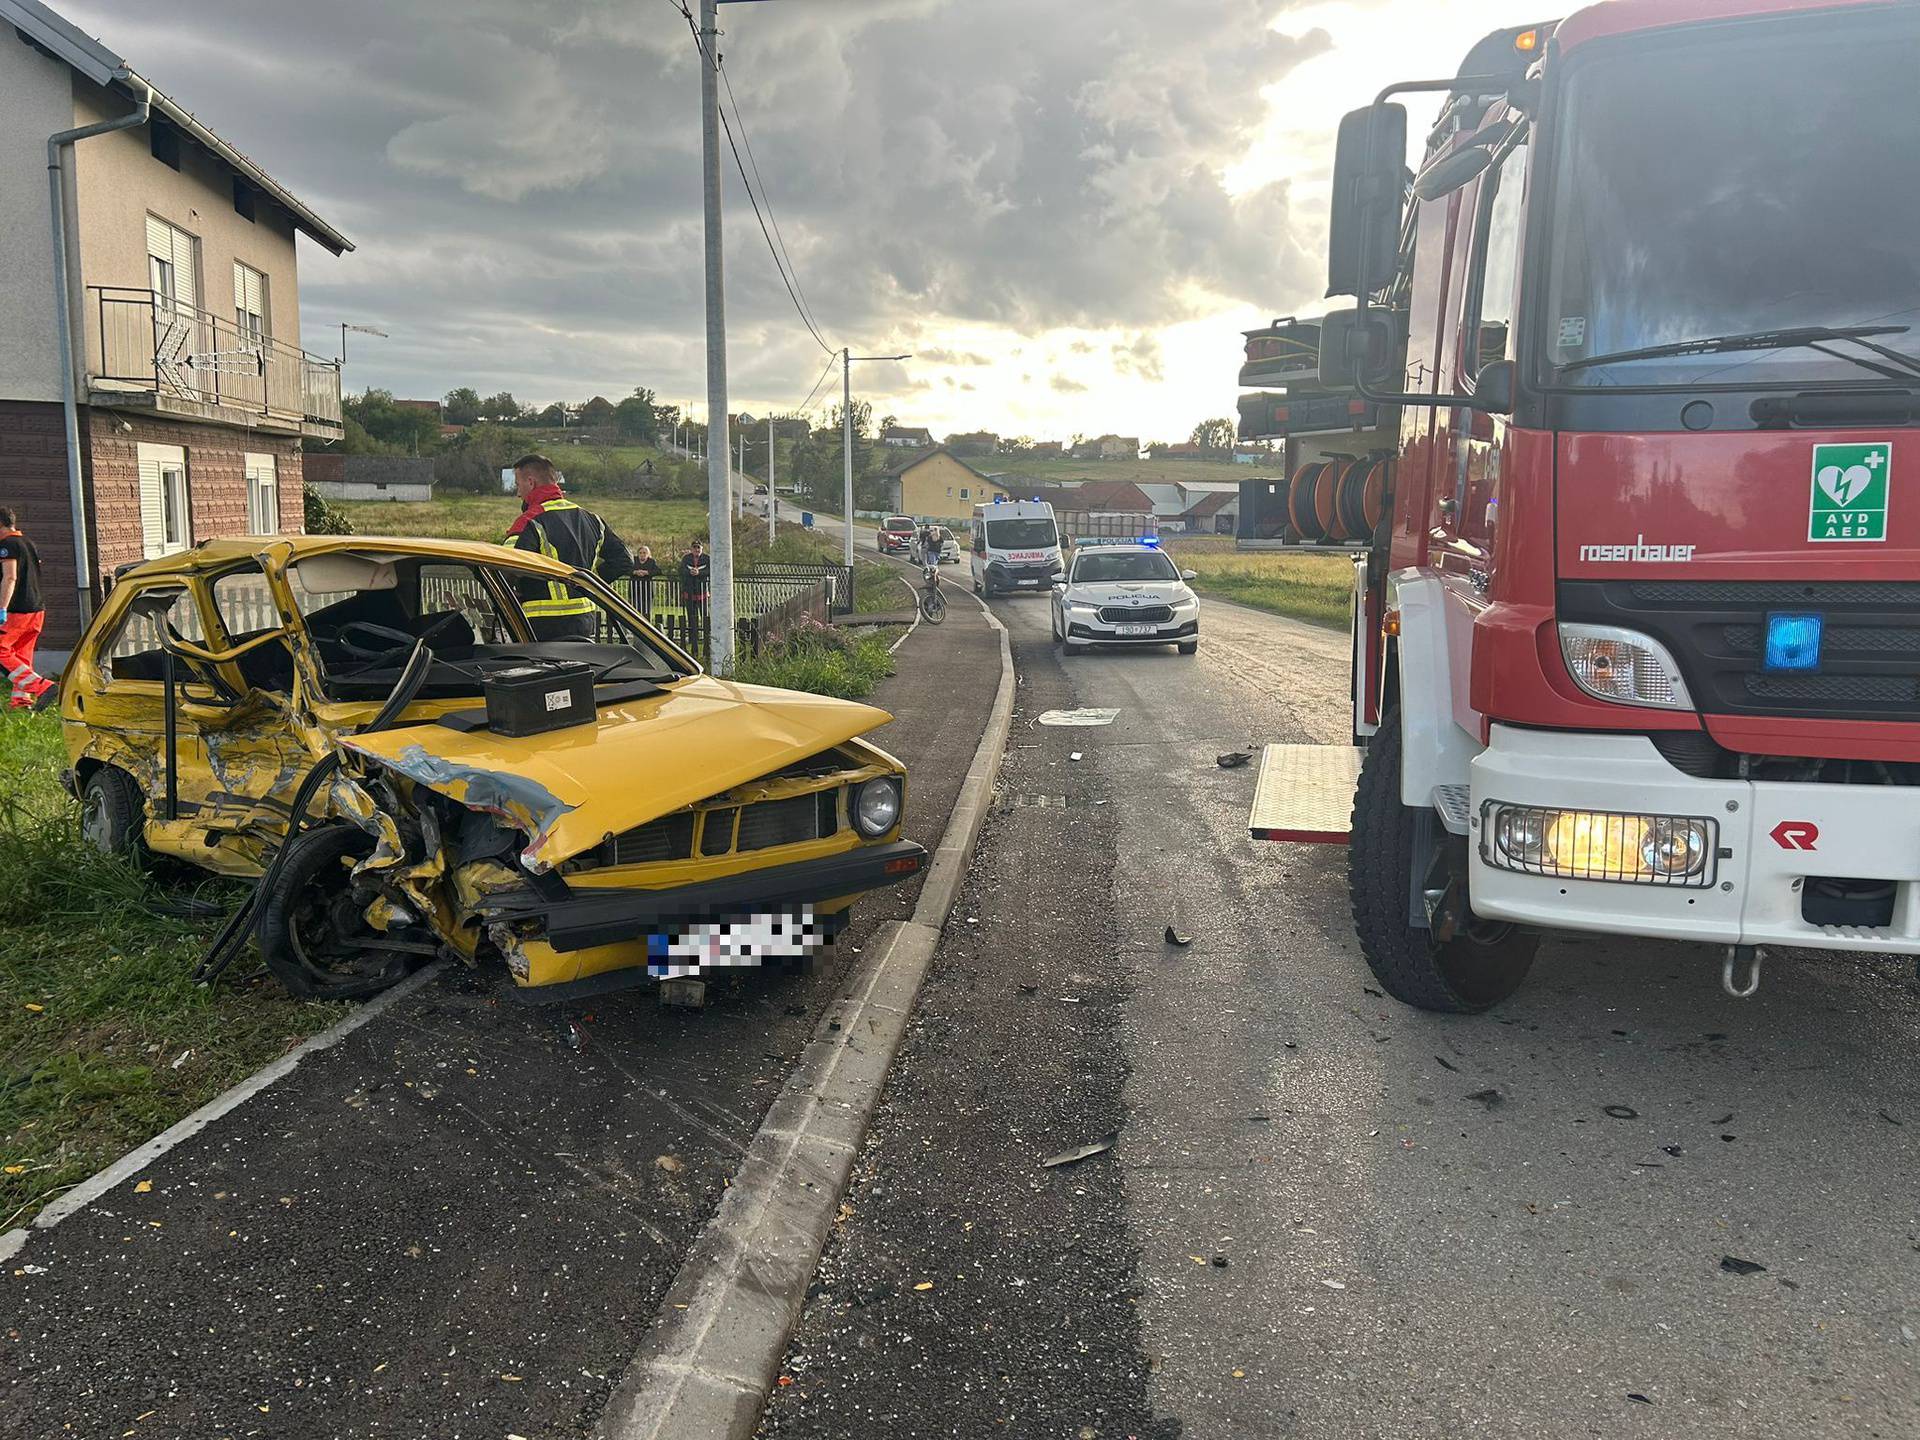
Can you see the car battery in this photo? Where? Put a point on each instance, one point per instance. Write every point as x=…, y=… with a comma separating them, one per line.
x=539, y=695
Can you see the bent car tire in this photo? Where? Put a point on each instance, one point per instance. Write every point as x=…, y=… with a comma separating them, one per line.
x=310, y=925
x=1475, y=970
x=112, y=814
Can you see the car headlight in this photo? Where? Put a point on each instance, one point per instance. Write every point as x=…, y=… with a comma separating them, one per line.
x=1081, y=607
x=876, y=807
x=1187, y=601
x=1623, y=666
x=1601, y=845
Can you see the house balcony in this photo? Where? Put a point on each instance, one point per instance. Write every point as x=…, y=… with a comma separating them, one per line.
x=148, y=352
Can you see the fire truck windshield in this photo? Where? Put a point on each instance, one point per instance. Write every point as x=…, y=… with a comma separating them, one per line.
x=1738, y=186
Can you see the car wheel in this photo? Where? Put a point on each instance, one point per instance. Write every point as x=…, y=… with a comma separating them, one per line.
x=1073, y=647
x=313, y=927
x=113, y=814
x=1480, y=966
x=1189, y=647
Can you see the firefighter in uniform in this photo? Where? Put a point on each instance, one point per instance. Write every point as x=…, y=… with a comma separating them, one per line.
x=550, y=524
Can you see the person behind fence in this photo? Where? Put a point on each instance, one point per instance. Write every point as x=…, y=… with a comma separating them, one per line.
x=696, y=570
x=21, y=615
x=550, y=524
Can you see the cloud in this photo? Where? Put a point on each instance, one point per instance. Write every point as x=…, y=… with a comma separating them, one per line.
x=1066, y=385
x=524, y=185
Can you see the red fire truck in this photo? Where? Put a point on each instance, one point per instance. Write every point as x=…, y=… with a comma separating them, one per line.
x=1613, y=429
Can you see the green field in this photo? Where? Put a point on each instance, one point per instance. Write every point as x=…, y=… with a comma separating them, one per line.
x=104, y=1038
x=1315, y=587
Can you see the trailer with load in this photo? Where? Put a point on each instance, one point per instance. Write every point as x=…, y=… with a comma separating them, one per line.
x=1614, y=428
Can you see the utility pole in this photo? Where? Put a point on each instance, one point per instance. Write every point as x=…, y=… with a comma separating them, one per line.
x=847, y=360
x=719, y=493
x=773, y=496
x=743, y=471
x=846, y=455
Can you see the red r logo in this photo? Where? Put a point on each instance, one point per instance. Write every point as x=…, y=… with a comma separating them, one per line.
x=1795, y=834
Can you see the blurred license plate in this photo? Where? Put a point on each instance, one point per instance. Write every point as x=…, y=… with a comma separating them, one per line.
x=1134, y=629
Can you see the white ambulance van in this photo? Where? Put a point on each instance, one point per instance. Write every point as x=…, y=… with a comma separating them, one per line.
x=1016, y=546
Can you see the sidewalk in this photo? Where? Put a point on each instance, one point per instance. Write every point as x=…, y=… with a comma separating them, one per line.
x=461, y=1220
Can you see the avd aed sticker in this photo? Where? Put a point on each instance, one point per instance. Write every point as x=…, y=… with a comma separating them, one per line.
x=1850, y=485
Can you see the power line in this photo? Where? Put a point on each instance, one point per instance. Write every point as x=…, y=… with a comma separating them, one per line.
x=747, y=140
x=828, y=370
x=790, y=282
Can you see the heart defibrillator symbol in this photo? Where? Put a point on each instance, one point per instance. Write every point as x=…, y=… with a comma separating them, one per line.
x=1851, y=485
x=1845, y=486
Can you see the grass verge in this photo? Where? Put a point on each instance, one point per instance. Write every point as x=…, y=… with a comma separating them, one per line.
x=104, y=1040
x=824, y=661
x=1314, y=588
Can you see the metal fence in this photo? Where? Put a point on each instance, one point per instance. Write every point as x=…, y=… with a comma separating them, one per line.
x=143, y=340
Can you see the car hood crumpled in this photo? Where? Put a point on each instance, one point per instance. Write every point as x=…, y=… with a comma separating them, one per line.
x=640, y=759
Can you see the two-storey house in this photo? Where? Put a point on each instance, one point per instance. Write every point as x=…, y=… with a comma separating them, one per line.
x=168, y=276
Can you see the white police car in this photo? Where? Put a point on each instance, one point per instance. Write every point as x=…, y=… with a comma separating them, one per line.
x=1124, y=594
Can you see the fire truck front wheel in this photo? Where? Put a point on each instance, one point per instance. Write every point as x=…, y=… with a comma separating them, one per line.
x=1481, y=965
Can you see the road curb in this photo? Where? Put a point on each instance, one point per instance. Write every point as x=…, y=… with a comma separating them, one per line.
x=715, y=1348
x=144, y=1154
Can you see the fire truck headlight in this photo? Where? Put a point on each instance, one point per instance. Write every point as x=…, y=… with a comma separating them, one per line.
x=1600, y=845
x=1623, y=666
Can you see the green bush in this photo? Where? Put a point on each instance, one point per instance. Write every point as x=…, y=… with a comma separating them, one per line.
x=822, y=660
x=321, y=516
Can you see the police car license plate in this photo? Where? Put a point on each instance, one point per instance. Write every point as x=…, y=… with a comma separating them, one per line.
x=1134, y=629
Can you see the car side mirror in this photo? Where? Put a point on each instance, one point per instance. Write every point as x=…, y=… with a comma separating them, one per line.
x=1493, y=387
x=1189, y=574
x=1348, y=348
x=1059, y=582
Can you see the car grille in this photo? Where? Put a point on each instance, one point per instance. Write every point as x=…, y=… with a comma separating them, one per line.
x=669, y=838
x=760, y=826
x=1137, y=614
x=1716, y=631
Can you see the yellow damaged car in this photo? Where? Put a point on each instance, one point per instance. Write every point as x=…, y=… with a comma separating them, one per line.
x=371, y=729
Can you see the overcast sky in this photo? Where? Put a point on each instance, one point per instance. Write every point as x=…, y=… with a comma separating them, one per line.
x=1067, y=209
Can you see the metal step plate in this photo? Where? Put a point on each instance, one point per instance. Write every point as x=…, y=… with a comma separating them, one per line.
x=1305, y=793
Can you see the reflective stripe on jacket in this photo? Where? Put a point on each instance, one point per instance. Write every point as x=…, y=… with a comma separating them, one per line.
x=560, y=530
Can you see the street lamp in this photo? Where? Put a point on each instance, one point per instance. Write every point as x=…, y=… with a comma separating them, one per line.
x=847, y=360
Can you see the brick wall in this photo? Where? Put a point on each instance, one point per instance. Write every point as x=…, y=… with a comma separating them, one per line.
x=33, y=481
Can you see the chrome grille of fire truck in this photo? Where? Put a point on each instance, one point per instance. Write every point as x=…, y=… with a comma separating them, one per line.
x=1869, y=664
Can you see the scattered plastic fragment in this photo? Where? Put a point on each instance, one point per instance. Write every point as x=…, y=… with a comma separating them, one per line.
x=924, y=1285
x=1029, y=989
x=1734, y=1265
x=1889, y=1119
x=143, y=1187
x=1079, y=718
x=1672, y=1149
x=1174, y=937
x=672, y=1164
x=185, y=1055
x=1620, y=1112
x=1446, y=1064
x=1334, y=1284
x=1726, y=1119
x=1075, y=755
x=1490, y=1097
x=1373, y=992
x=1220, y=1262
x=1233, y=759
x=1635, y=1395
x=1084, y=1152
x=36, y=1009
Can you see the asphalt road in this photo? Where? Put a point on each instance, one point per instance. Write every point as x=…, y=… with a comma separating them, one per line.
x=460, y=1221
x=1327, y=1215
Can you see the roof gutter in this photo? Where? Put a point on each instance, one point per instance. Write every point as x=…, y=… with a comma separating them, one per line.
x=57, y=145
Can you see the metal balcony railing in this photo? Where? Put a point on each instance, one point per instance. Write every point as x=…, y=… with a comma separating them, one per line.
x=143, y=341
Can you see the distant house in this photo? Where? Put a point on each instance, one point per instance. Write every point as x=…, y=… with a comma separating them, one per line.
x=977, y=442
x=1215, y=513
x=938, y=485
x=1047, y=450
x=370, y=477
x=1109, y=447
x=435, y=408
x=907, y=437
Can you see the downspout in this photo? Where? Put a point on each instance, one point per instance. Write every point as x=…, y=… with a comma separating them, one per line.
x=69, y=389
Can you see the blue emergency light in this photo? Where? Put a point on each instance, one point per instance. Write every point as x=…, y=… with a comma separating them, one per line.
x=1793, y=642
x=1151, y=541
